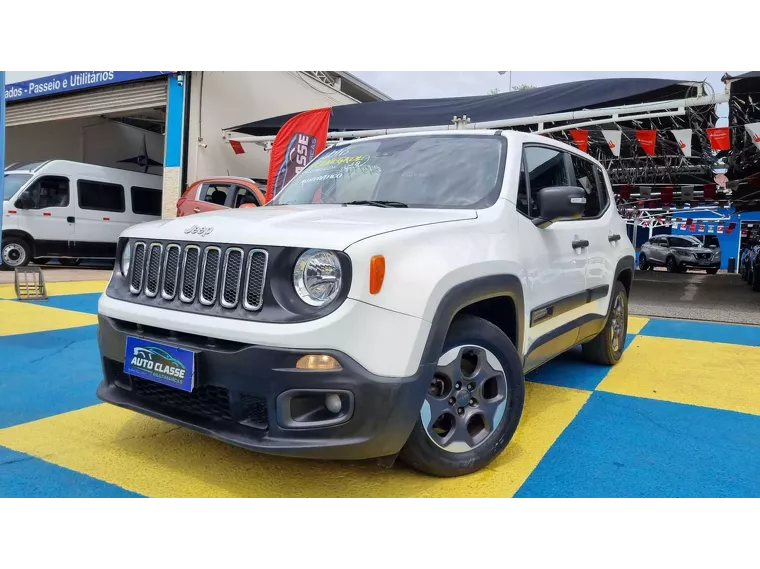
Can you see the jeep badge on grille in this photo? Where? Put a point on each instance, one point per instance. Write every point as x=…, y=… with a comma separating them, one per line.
x=199, y=230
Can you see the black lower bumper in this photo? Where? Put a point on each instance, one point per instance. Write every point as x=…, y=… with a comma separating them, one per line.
x=243, y=395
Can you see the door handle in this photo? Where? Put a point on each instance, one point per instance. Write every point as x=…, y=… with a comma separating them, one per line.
x=580, y=244
x=197, y=210
x=70, y=219
x=613, y=238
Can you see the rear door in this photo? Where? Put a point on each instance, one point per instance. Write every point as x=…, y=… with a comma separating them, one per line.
x=50, y=220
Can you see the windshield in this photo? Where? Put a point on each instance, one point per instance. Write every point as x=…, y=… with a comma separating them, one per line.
x=13, y=183
x=416, y=171
x=685, y=242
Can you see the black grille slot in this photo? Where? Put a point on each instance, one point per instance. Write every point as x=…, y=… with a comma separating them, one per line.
x=703, y=255
x=207, y=400
x=138, y=268
x=255, y=277
x=233, y=268
x=171, y=272
x=210, y=277
x=154, y=269
x=190, y=273
x=254, y=411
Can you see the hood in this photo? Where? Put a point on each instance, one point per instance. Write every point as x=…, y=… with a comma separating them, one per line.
x=320, y=226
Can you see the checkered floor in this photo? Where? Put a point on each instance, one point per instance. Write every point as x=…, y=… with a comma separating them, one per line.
x=679, y=416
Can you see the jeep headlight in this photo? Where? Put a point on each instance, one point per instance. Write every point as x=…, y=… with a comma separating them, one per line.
x=126, y=258
x=317, y=277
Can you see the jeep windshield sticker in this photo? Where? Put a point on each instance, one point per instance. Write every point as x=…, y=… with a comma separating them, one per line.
x=331, y=161
x=322, y=178
x=162, y=364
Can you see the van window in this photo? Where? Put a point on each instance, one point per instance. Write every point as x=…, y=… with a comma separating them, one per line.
x=48, y=191
x=101, y=196
x=13, y=183
x=146, y=201
x=215, y=193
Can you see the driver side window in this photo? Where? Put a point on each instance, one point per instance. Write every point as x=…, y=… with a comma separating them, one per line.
x=48, y=191
x=546, y=168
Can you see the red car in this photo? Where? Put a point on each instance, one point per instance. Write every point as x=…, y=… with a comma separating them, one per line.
x=211, y=194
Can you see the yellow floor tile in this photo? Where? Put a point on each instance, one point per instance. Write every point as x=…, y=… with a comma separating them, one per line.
x=22, y=318
x=636, y=323
x=723, y=376
x=58, y=289
x=156, y=459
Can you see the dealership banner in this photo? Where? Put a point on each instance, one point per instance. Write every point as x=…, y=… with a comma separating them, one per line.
x=683, y=138
x=296, y=144
x=754, y=131
x=613, y=138
x=71, y=81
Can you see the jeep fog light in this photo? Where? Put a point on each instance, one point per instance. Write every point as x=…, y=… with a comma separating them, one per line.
x=317, y=277
x=319, y=362
x=126, y=258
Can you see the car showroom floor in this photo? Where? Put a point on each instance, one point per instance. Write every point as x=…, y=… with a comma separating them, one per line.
x=679, y=416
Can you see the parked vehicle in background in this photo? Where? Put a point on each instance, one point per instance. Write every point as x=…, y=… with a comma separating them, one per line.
x=71, y=210
x=211, y=194
x=745, y=260
x=752, y=267
x=679, y=253
x=373, y=307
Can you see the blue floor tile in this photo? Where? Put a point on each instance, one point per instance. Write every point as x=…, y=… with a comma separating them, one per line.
x=622, y=446
x=24, y=476
x=46, y=373
x=704, y=331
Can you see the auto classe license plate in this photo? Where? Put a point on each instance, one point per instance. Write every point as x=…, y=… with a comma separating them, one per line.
x=163, y=364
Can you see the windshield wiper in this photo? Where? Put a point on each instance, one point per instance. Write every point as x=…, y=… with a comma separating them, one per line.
x=377, y=203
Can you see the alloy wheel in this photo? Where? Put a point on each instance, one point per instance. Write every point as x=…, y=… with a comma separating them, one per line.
x=617, y=329
x=466, y=399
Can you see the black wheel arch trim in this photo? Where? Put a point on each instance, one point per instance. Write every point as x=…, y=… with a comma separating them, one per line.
x=466, y=294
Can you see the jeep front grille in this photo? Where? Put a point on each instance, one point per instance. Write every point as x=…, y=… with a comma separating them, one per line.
x=227, y=277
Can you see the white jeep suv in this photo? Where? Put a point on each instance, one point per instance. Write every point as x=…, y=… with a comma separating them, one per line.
x=387, y=302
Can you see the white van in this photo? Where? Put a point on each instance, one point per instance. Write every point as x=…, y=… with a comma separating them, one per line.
x=71, y=210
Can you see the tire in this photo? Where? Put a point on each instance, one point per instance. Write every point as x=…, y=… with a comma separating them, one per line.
x=42, y=261
x=69, y=262
x=672, y=265
x=743, y=272
x=474, y=344
x=643, y=264
x=712, y=271
x=755, y=281
x=607, y=348
x=15, y=252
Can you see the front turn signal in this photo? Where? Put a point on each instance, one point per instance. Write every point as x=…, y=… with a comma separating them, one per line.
x=376, y=273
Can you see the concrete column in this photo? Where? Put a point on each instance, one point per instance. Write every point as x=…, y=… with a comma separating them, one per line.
x=173, y=144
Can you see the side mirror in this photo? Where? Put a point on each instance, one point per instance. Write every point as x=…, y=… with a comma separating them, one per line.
x=559, y=202
x=24, y=202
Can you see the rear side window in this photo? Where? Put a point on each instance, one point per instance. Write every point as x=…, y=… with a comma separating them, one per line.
x=146, y=201
x=215, y=193
x=546, y=168
x=101, y=196
x=586, y=176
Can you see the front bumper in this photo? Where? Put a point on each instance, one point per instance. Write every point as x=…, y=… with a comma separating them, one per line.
x=696, y=264
x=238, y=397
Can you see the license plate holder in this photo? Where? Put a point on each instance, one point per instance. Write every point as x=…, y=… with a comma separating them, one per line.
x=157, y=362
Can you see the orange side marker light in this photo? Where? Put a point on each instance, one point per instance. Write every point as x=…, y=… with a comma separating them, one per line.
x=376, y=273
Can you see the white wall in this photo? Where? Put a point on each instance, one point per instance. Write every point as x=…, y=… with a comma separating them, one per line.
x=232, y=98
x=92, y=140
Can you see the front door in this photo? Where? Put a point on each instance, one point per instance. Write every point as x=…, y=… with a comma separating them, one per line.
x=49, y=215
x=555, y=260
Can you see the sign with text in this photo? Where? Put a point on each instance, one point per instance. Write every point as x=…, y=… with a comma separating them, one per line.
x=72, y=81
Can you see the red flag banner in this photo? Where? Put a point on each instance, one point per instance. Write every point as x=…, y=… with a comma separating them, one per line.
x=710, y=191
x=720, y=228
x=692, y=227
x=237, y=147
x=625, y=191
x=647, y=139
x=580, y=137
x=666, y=195
x=730, y=228
x=719, y=138
x=296, y=144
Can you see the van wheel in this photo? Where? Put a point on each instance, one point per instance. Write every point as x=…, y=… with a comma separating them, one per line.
x=15, y=253
x=69, y=262
x=607, y=348
x=473, y=404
